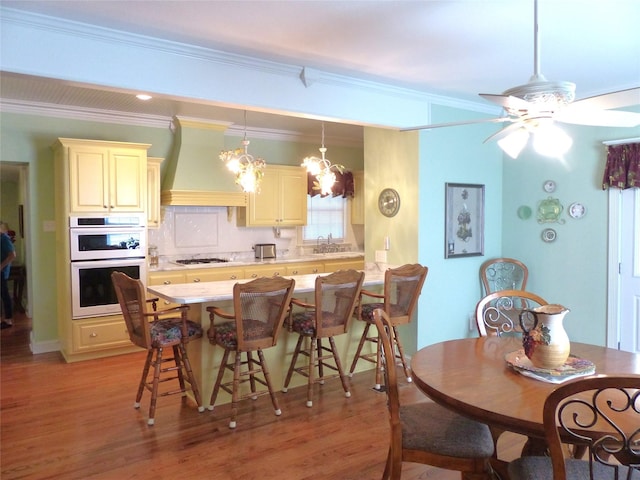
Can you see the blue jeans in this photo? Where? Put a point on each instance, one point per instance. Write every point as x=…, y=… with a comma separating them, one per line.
x=7, y=301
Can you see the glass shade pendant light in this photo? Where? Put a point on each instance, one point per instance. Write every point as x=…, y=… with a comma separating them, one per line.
x=247, y=169
x=321, y=168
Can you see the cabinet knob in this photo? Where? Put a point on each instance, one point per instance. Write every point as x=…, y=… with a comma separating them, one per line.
x=315, y=270
x=295, y=272
x=196, y=280
x=93, y=335
x=254, y=275
x=233, y=277
x=277, y=274
x=167, y=282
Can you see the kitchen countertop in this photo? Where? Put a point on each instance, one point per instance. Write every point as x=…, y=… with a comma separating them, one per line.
x=204, y=292
x=319, y=257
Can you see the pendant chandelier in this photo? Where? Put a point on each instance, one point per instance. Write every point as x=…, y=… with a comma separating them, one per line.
x=321, y=168
x=248, y=170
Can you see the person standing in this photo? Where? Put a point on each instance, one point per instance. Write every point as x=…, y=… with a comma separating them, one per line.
x=8, y=254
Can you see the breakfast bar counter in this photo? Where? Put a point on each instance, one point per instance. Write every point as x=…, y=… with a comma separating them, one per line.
x=205, y=358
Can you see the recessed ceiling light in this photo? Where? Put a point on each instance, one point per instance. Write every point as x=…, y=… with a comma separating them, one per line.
x=143, y=96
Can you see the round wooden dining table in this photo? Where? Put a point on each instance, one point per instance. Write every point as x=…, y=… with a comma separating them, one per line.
x=471, y=377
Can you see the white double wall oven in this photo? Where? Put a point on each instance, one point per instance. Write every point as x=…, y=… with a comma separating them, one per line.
x=101, y=245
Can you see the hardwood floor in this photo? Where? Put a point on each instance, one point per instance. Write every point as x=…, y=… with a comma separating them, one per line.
x=77, y=421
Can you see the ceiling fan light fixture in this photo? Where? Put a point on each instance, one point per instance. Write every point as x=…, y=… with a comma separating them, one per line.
x=551, y=141
x=514, y=143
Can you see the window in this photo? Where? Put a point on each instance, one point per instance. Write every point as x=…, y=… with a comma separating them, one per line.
x=325, y=215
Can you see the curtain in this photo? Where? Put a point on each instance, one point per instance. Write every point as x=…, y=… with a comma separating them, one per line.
x=622, y=169
x=343, y=186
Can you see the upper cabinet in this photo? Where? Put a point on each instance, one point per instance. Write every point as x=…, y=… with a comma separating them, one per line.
x=281, y=202
x=153, y=191
x=104, y=177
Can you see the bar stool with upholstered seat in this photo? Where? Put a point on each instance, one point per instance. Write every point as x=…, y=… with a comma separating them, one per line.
x=260, y=307
x=336, y=295
x=154, y=332
x=402, y=287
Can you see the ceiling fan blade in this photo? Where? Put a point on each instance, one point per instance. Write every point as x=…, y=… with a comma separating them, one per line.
x=507, y=101
x=500, y=134
x=456, y=124
x=580, y=115
x=619, y=99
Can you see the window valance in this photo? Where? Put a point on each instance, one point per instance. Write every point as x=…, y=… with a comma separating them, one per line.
x=343, y=187
x=622, y=169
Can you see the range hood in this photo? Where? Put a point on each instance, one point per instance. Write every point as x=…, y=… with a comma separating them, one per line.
x=195, y=176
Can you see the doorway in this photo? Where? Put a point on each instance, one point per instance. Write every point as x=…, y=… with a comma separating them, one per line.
x=623, y=326
x=14, y=210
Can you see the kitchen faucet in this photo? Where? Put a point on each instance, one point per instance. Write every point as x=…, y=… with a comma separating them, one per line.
x=318, y=241
x=329, y=239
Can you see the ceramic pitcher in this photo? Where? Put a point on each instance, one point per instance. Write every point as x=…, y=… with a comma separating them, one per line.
x=545, y=342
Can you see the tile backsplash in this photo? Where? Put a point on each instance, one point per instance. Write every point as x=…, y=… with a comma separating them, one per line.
x=190, y=231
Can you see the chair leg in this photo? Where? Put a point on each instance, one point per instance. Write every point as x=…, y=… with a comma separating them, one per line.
x=177, y=359
x=252, y=378
x=379, y=366
x=312, y=350
x=184, y=357
x=236, y=389
x=216, y=387
x=407, y=370
x=296, y=352
x=319, y=354
x=386, y=475
x=363, y=339
x=336, y=358
x=267, y=378
x=154, y=389
x=143, y=379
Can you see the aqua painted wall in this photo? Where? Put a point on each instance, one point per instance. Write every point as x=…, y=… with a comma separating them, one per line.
x=572, y=270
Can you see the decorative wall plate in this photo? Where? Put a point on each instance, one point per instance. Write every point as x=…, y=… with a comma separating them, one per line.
x=548, y=235
x=524, y=212
x=549, y=211
x=577, y=210
x=389, y=202
x=549, y=186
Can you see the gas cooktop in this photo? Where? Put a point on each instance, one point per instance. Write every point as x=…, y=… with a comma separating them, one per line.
x=195, y=261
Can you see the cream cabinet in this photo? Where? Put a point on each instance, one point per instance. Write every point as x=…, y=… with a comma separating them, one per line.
x=357, y=202
x=270, y=270
x=153, y=191
x=281, y=201
x=99, y=334
x=343, y=264
x=305, y=268
x=105, y=177
x=214, y=274
x=166, y=278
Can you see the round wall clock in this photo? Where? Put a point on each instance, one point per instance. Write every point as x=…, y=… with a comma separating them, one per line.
x=389, y=202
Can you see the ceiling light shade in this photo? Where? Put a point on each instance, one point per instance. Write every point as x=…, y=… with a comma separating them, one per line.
x=248, y=170
x=321, y=168
x=550, y=140
x=513, y=143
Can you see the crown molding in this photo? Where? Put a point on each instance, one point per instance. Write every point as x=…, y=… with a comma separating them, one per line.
x=84, y=30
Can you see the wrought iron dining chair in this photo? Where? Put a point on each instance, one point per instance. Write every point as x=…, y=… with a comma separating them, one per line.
x=336, y=295
x=503, y=274
x=498, y=313
x=426, y=432
x=602, y=413
x=402, y=287
x=260, y=307
x=154, y=332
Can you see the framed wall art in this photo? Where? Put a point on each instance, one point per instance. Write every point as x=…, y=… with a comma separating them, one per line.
x=464, y=220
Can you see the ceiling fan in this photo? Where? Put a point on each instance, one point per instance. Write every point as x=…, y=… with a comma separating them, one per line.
x=536, y=105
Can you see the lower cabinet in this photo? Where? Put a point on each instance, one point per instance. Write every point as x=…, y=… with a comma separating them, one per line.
x=305, y=268
x=100, y=333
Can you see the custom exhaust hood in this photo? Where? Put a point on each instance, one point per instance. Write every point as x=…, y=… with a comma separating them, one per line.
x=195, y=176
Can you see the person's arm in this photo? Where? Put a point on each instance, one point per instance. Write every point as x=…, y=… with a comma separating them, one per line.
x=10, y=258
